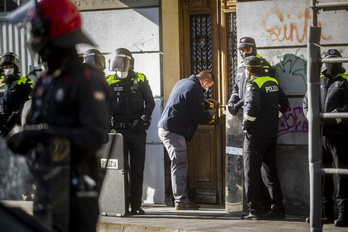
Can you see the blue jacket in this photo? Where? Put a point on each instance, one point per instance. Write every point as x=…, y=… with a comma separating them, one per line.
x=185, y=108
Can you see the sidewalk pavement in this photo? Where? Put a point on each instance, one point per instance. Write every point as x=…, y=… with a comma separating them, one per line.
x=160, y=218
x=209, y=218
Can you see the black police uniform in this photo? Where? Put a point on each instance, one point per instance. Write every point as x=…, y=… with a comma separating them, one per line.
x=263, y=101
x=132, y=98
x=13, y=94
x=74, y=105
x=237, y=100
x=334, y=98
x=239, y=87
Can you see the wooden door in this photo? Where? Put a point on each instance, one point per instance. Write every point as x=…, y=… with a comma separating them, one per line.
x=203, y=44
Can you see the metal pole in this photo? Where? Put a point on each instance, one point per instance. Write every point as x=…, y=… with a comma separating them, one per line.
x=339, y=171
x=334, y=60
x=314, y=136
x=315, y=13
x=334, y=115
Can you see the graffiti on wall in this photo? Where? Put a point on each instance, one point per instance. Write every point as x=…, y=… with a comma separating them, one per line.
x=293, y=66
x=293, y=121
x=291, y=70
x=287, y=27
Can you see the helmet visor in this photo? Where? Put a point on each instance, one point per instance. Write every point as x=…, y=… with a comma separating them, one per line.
x=29, y=15
x=121, y=63
x=89, y=59
x=25, y=14
x=7, y=60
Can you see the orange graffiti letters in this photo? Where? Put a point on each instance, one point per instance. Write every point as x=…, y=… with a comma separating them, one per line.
x=280, y=27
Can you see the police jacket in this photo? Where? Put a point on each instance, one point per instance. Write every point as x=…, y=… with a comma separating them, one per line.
x=131, y=97
x=74, y=104
x=334, y=98
x=264, y=103
x=238, y=90
x=13, y=95
x=185, y=108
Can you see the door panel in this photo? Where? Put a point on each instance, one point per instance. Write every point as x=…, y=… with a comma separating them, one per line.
x=204, y=45
x=203, y=164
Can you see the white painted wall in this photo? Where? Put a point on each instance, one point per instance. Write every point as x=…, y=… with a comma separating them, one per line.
x=280, y=31
x=138, y=30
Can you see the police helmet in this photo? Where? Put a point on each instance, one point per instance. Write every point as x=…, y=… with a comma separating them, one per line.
x=52, y=21
x=10, y=58
x=123, y=60
x=94, y=58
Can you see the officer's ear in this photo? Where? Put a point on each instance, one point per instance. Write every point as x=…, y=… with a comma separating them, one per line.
x=247, y=71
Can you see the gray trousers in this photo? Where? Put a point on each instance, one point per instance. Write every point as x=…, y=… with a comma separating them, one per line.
x=176, y=147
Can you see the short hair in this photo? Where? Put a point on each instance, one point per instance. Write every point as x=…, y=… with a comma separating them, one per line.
x=206, y=74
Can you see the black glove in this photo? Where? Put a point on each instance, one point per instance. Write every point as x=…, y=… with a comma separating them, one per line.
x=141, y=124
x=248, y=126
x=233, y=108
x=21, y=139
x=212, y=104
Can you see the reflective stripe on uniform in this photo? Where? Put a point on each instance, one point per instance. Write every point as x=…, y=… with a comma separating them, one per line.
x=111, y=79
x=261, y=80
x=23, y=80
x=249, y=118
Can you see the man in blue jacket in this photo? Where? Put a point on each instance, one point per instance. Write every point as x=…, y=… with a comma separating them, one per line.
x=184, y=110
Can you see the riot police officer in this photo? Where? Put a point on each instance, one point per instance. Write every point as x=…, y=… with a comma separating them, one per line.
x=14, y=92
x=95, y=58
x=132, y=104
x=70, y=101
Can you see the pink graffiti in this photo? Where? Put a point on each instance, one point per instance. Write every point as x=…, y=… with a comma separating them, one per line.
x=293, y=121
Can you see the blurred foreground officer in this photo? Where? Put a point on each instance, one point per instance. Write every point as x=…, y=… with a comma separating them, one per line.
x=95, y=58
x=132, y=104
x=184, y=110
x=70, y=101
x=334, y=98
x=264, y=104
x=14, y=92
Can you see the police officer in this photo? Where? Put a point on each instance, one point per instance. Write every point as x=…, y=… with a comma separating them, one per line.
x=334, y=98
x=95, y=58
x=264, y=103
x=14, y=92
x=132, y=104
x=71, y=101
x=247, y=47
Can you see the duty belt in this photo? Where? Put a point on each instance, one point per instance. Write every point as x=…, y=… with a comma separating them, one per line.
x=123, y=125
